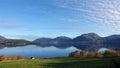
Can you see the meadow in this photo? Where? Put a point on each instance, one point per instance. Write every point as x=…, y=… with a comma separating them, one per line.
x=61, y=63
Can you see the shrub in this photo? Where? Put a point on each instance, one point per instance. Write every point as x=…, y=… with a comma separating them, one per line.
x=110, y=54
x=73, y=54
x=90, y=54
x=98, y=55
x=19, y=57
x=83, y=54
x=78, y=54
x=3, y=58
x=13, y=57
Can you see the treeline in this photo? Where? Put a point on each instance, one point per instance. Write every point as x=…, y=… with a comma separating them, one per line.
x=11, y=57
x=86, y=54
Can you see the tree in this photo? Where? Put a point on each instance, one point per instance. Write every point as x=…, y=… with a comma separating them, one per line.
x=3, y=58
x=98, y=55
x=78, y=54
x=13, y=57
x=110, y=53
x=75, y=54
x=83, y=54
x=19, y=57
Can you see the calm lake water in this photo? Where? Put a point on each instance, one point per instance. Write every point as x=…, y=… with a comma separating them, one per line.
x=37, y=51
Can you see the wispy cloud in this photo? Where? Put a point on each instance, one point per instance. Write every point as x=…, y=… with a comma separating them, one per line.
x=71, y=20
x=106, y=12
x=9, y=27
x=36, y=9
x=70, y=28
x=6, y=21
x=10, y=24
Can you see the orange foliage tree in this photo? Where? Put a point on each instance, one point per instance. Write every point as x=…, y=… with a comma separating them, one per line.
x=3, y=58
x=98, y=55
x=110, y=54
x=19, y=57
x=13, y=57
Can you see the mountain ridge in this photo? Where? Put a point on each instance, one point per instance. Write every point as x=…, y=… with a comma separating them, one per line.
x=14, y=42
x=87, y=41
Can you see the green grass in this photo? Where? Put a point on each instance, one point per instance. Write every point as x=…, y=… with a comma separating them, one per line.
x=60, y=63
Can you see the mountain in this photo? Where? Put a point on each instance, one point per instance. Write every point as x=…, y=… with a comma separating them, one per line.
x=2, y=38
x=62, y=39
x=110, y=38
x=87, y=37
x=112, y=41
x=43, y=40
x=14, y=42
x=90, y=38
x=89, y=41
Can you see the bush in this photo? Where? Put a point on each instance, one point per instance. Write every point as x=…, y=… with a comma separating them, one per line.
x=83, y=54
x=78, y=54
x=110, y=54
x=98, y=55
x=3, y=58
x=19, y=57
x=90, y=54
x=73, y=54
x=13, y=57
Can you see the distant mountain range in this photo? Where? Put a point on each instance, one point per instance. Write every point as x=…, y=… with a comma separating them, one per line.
x=89, y=41
x=14, y=42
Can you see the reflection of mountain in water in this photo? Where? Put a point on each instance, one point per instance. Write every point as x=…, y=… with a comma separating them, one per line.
x=83, y=47
x=90, y=41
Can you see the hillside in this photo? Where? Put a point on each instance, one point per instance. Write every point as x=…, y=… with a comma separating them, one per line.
x=89, y=41
x=14, y=42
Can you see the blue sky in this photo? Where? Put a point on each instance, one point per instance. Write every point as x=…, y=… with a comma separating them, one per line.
x=31, y=19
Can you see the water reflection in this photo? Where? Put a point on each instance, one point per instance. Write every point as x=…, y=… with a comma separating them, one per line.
x=46, y=51
x=38, y=52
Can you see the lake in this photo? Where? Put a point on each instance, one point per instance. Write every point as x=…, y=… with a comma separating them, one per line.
x=37, y=51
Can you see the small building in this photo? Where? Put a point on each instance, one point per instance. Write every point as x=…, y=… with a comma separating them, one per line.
x=32, y=58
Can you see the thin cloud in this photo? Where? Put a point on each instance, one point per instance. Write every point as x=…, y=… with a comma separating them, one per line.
x=69, y=28
x=106, y=12
x=36, y=9
x=6, y=21
x=10, y=24
x=8, y=27
x=71, y=20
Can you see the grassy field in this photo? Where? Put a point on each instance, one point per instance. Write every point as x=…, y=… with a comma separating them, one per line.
x=60, y=63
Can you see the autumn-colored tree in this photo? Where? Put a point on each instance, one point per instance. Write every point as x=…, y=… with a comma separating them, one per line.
x=110, y=53
x=78, y=54
x=3, y=58
x=75, y=54
x=83, y=54
x=98, y=55
x=19, y=57
x=118, y=53
x=13, y=57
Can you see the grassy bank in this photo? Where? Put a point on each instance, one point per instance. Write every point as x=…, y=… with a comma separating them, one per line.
x=60, y=63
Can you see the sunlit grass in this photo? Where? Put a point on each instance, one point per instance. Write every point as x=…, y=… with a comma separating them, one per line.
x=59, y=63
